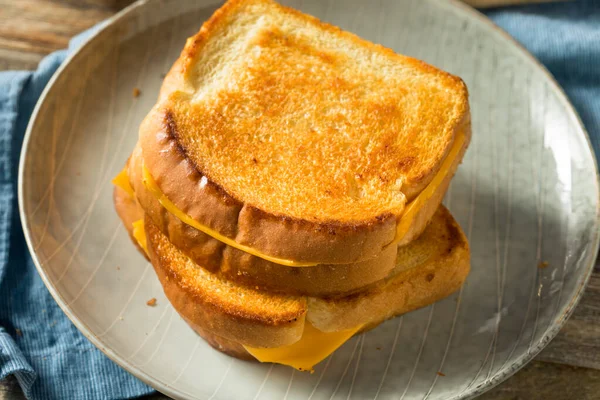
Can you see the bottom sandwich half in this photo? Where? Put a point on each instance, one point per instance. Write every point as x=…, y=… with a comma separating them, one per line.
x=300, y=331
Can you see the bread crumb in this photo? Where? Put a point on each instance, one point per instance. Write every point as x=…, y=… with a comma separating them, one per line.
x=378, y=348
x=118, y=268
x=18, y=332
x=136, y=92
x=441, y=374
x=151, y=302
x=543, y=264
x=120, y=318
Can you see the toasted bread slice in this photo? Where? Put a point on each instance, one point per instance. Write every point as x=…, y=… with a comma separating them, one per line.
x=258, y=318
x=298, y=139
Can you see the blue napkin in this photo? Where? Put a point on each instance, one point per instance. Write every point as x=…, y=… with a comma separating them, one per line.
x=40, y=346
x=565, y=37
x=38, y=343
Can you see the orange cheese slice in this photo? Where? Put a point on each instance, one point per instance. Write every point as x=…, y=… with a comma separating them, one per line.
x=122, y=181
x=139, y=233
x=312, y=348
x=414, y=206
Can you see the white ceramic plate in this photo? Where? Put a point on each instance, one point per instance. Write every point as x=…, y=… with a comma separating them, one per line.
x=526, y=193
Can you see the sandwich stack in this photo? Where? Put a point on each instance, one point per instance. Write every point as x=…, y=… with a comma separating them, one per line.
x=287, y=185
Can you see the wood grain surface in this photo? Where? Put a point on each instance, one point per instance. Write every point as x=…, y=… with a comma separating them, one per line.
x=569, y=368
x=496, y=3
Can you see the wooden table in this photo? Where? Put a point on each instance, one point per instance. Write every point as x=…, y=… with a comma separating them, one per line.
x=569, y=368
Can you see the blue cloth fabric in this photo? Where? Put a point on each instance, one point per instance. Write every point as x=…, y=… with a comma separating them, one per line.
x=40, y=346
x=565, y=37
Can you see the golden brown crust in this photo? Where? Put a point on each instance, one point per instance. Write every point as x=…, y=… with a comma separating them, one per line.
x=170, y=131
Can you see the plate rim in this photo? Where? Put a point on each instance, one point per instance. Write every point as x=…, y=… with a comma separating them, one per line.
x=553, y=330
x=469, y=13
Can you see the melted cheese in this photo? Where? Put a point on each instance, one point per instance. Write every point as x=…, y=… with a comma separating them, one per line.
x=414, y=206
x=139, y=233
x=312, y=348
x=122, y=181
x=404, y=225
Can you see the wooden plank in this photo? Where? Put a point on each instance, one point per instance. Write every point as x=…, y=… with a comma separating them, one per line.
x=497, y=3
x=536, y=381
x=30, y=29
x=578, y=343
x=10, y=389
x=545, y=381
x=15, y=60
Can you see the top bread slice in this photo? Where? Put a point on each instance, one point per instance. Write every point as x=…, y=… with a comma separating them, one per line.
x=297, y=138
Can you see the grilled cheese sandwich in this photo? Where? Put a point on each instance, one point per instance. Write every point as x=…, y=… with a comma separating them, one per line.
x=286, y=211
